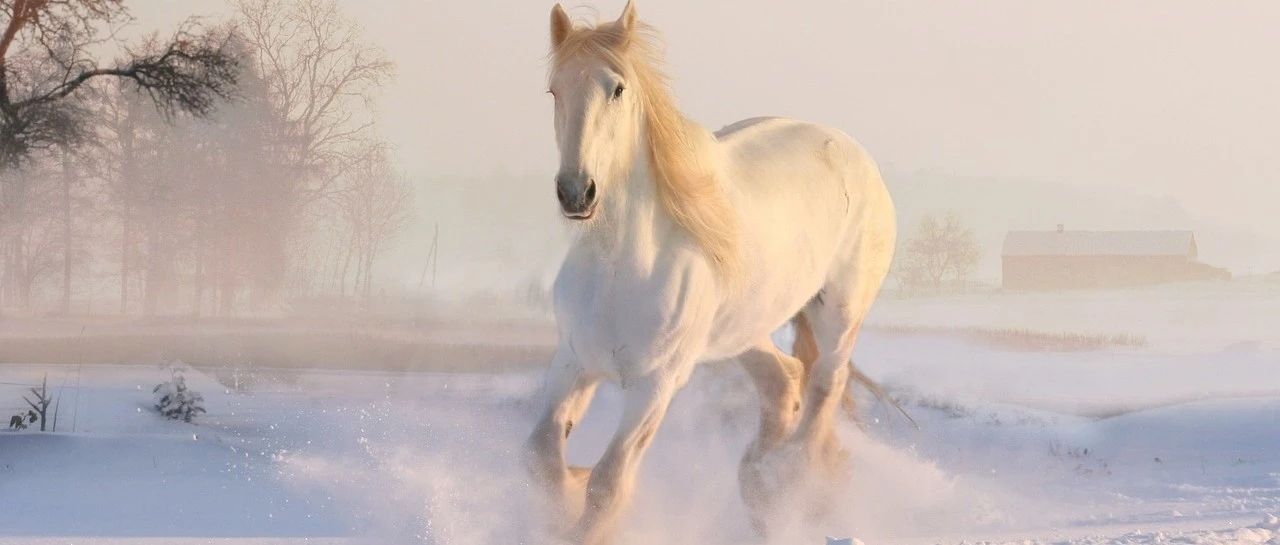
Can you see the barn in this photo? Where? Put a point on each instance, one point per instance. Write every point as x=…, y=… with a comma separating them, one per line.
x=1061, y=259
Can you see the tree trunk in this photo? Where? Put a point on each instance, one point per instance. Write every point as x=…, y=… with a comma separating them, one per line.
x=124, y=262
x=368, y=280
x=226, y=282
x=197, y=298
x=26, y=278
x=6, y=277
x=226, y=296
x=67, y=180
x=152, y=281
x=6, y=272
x=128, y=170
x=346, y=267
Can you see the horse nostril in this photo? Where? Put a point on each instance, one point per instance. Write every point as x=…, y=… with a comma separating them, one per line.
x=560, y=194
x=591, y=191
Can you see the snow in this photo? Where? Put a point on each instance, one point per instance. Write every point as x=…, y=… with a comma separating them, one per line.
x=1175, y=442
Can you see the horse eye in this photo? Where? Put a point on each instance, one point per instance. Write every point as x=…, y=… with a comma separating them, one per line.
x=617, y=91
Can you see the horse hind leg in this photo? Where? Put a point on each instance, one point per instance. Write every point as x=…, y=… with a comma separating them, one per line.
x=797, y=451
x=836, y=320
x=778, y=378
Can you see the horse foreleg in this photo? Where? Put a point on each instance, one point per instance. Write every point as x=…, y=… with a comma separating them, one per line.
x=568, y=392
x=613, y=479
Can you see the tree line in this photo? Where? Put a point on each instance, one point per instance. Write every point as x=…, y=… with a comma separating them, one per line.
x=220, y=169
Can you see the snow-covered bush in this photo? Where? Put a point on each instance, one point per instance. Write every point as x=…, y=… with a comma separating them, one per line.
x=175, y=400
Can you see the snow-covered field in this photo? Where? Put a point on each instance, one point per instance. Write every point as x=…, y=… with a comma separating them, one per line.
x=1177, y=441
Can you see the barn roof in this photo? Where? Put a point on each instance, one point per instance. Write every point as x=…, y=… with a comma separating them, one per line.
x=1111, y=243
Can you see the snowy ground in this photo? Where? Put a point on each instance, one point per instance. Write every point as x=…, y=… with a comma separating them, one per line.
x=1175, y=442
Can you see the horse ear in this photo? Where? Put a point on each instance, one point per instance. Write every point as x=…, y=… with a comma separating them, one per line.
x=560, y=25
x=627, y=21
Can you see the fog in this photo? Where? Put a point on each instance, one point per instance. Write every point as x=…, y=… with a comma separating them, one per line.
x=364, y=309
x=1166, y=110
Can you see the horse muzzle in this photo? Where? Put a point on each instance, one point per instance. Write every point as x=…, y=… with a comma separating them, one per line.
x=577, y=200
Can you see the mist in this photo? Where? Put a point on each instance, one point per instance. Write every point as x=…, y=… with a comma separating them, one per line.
x=300, y=289
x=1163, y=110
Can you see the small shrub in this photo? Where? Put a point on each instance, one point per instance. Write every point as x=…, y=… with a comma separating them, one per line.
x=19, y=421
x=175, y=400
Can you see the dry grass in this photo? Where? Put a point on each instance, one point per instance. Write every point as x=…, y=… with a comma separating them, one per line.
x=1025, y=339
x=290, y=350
x=428, y=346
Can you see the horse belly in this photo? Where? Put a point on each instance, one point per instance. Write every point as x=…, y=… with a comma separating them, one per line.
x=790, y=264
x=743, y=323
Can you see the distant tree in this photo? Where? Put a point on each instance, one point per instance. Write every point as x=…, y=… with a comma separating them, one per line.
x=46, y=57
x=29, y=230
x=137, y=142
x=201, y=199
x=321, y=74
x=48, y=61
x=69, y=178
x=243, y=199
x=375, y=203
x=942, y=250
x=223, y=206
x=40, y=203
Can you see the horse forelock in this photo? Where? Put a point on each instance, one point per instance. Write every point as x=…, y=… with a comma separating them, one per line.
x=683, y=163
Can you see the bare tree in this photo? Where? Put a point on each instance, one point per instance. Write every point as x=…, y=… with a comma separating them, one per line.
x=76, y=203
x=68, y=180
x=42, y=400
x=321, y=74
x=46, y=57
x=47, y=61
x=941, y=250
x=127, y=143
x=28, y=230
x=244, y=199
x=203, y=204
x=375, y=203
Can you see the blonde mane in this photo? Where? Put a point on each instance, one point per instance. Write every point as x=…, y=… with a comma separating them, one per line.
x=687, y=180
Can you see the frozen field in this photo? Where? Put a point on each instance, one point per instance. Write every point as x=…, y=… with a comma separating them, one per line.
x=1177, y=441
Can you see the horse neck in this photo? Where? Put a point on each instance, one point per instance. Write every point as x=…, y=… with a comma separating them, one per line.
x=635, y=226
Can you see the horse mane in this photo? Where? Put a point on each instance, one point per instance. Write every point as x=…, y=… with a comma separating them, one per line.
x=687, y=178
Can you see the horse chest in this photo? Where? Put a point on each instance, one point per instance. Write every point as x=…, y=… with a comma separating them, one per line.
x=619, y=324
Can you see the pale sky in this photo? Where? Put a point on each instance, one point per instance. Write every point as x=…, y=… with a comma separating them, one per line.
x=1175, y=99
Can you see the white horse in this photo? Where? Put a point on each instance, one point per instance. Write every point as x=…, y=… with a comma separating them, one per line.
x=693, y=247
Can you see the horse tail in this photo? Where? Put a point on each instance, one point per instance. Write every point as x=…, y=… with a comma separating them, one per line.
x=856, y=376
